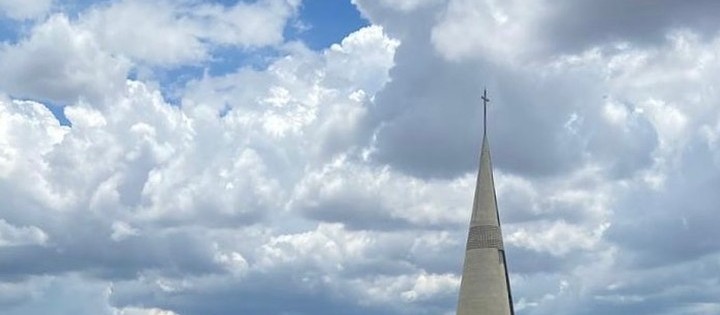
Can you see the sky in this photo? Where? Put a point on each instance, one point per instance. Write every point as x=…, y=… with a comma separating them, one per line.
x=290, y=157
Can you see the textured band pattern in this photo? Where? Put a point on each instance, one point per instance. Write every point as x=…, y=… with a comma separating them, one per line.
x=484, y=236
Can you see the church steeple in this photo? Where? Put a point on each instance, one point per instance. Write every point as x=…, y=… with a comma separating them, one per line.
x=485, y=286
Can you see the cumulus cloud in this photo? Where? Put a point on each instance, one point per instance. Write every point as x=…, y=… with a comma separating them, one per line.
x=15, y=236
x=369, y=198
x=163, y=168
x=408, y=5
x=340, y=180
x=518, y=30
x=172, y=33
x=60, y=62
x=143, y=311
x=596, y=158
x=24, y=9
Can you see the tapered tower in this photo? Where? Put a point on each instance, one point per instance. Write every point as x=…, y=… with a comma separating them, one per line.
x=485, y=286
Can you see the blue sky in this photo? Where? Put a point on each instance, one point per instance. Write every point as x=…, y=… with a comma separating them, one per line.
x=319, y=157
x=328, y=22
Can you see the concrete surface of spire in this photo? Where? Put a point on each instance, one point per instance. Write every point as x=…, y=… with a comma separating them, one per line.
x=485, y=286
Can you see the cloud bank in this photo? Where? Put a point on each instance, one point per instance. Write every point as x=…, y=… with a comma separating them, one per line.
x=340, y=180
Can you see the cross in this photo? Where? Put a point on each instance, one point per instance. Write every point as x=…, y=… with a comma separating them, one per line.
x=485, y=101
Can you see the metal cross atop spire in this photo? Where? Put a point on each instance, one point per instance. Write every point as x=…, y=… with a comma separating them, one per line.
x=485, y=101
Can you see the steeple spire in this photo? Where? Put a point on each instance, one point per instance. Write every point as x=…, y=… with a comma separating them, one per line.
x=485, y=286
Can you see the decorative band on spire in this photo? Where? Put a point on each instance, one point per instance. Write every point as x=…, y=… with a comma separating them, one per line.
x=484, y=236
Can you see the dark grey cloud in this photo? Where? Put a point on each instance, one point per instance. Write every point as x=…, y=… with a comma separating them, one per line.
x=307, y=196
x=429, y=117
x=288, y=293
x=356, y=213
x=90, y=249
x=575, y=25
x=524, y=261
x=676, y=223
x=547, y=124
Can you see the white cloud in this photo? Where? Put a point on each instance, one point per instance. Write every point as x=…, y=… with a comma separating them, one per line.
x=329, y=248
x=379, y=198
x=153, y=32
x=369, y=73
x=558, y=238
x=143, y=311
x=334, y=257
x=60, y=293
x=499, y=30
x=164, y=166
x=26, y=9
x=428, y=286
x=255, y=24
x=62, y=63
x=626, y=109
x=408, y=5
x=122, y=230
x=533, y=31
x=172, y=33
x=17, y=236
x=332, y=180
x=316, y=100
x=28, y=132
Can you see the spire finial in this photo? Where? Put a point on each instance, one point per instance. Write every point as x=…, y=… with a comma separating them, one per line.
x=485, y=101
